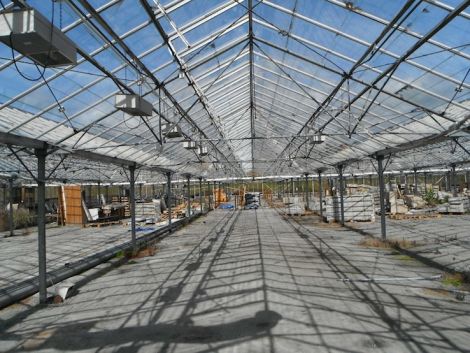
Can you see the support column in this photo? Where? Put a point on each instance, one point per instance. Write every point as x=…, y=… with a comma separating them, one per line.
x=382, y=196
x=200, y=193
x=132, y=203
x=425, y=175
x=415, y=176
x=452, y=181
x=320, y=191
x=214, y=194
x=307, y=206
x=467, y=175
x=189, y=195
x=41, y=220
x=89, y=198
x=10, y=213
x=341, y=190
x=292, y=185
x=106, y=193
x=99, y=192
x=208, y=196
x=168, y=195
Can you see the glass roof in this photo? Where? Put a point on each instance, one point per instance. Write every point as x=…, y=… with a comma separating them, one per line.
x=254, y=81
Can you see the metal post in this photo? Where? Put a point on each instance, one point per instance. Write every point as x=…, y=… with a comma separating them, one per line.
x=168, y=185
x=214, y=194
x=99, y=193
x=292, y=185
x=200, y=193
x=306, y=192
x=189, y=195
x=320, y=191
x=467, y=175
x=132, y=203
x=452, y=183
x=382, y=196
x=4, y=187
x=106, y=193
x=425, y=175
x=341, y=198
x=41, y=220
x=10, y=213
x=209, y=196
x=89, y=196
x=415, y=176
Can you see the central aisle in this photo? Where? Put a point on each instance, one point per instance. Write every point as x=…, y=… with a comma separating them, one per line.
x=247, y=281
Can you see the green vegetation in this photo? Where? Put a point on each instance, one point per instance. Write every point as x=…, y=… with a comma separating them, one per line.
x=455, y=280
x=120, y=254
x=21, y=219
x=405, y=258
x=431, y=198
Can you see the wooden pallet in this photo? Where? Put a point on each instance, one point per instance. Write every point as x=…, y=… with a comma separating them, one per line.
x=101, y=224
x=399, y=216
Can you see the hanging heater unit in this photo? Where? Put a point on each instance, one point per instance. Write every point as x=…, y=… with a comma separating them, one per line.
x=317, y=139
x=133, y=104
x=31, y=34
x=189, y=145
x=171, y=131
x=203, y=151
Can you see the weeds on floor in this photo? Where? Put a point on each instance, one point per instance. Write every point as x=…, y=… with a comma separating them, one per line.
x=453, y=279
x=405, y=258
x=387, y=244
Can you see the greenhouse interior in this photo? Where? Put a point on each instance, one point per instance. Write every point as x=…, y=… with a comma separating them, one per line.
x=234, y=176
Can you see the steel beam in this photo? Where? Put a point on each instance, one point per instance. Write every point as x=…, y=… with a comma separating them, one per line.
x=11, y=222
x=380, y=171
x=453, y=181
x=320, y=192
x=132, y=203
x=41, y=221
x=341, y=191
x=307, y=207
x=188, y=180
x=16, y=140
x=200, y=194
x=168, y=193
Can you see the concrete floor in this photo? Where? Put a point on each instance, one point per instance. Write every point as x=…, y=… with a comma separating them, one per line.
x=19, y=254
x=250, y=281
x=443, y=241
